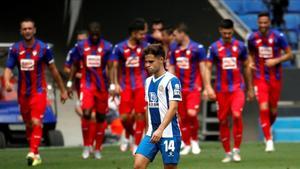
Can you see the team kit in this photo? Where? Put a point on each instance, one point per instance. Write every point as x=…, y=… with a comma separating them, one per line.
x=160, y=78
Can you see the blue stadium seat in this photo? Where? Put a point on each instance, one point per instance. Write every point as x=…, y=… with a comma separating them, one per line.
x=235, y=5
x=292, y=21
x=253, y=6
x=250, y=20
x=294, y=6
x=286, y=129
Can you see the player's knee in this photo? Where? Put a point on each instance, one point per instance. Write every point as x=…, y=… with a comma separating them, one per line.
x=236, y=115
x=192, y=112
x=264, y=106
x=100, y=118
x=139, y=116
x=138, y=165
x=87, y=114
x=35, y=122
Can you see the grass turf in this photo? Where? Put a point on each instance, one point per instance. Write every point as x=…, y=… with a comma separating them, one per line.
x=287, y=156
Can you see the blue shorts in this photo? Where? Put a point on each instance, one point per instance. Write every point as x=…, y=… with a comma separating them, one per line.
x=168, y=147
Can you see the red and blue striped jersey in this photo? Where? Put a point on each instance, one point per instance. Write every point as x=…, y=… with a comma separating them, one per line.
x=31, y=63
x=229, y=58
x=267, y=47
x=186, y=63
x=132, y=68
x=93, y=59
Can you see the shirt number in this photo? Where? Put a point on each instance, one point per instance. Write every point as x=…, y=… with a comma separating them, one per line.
x=169, y=145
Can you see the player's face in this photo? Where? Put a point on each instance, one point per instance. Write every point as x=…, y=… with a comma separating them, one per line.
x=166, y=38
x=226, y=34
x=81, y=36
x=264, y=23
x=178, y=36
x=153, y=64
x=157, y=27
x=140, y=35
x=95, y=35
x=27, y=30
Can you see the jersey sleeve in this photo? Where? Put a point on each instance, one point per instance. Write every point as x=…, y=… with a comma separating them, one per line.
x=210, y=54
x=108, y=52
x=174, y=89
x=249, y=44
x=12, y=58
x=49, y=57
x=283, y=43
x=243, y=52
x=201, y=53
x=115, y=54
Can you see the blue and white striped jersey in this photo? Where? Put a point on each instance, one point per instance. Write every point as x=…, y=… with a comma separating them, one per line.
x=158, y=93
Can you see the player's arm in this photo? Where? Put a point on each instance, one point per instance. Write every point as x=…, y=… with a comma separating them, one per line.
x=173, y=106
x=172, y=63
x=56, y=76
x=7, y=76
x=114, y=74
x=207, y=75
x=248, y=77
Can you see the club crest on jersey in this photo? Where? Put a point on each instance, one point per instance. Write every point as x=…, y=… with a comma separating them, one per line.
x=161, y=88
x=27, y=64
x=188, y=52
x=100, y=50
x=139, y=50
x=234, y=48
x=271, y=40
x=34, y=53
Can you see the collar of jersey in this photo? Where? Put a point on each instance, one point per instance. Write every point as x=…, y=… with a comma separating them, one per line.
x=155, y=80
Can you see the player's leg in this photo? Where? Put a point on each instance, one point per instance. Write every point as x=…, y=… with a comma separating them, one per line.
x=145, y=153
x=274, y=96
x=238, y=102
x=125, y=108
x=170, y=151
x=223, y=111
x=139, y=107
x=184, y=125
x=87, y=103
x=262, y=94
x=101, y=111
x=193, y=102
x=38, y=106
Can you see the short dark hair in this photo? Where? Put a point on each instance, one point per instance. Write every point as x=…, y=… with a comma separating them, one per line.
x=267, y=14
x=138, y=24
x=226, y=23
x=27, y=20
x=182, y=27
x=94, y=26
x=155, y=49
x=81, y=31
x=157, y=21
x=168, y=29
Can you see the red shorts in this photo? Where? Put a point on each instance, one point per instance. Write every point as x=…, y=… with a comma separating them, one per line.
x=268, y=92
x=228, y=102
x=94, y=99
x=190, y=100
x=132, y=100
x=33, y=106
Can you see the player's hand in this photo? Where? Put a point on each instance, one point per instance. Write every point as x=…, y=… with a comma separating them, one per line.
x=78, y=111
x=8, y=87
x=271, y=62
x=211, y=93
x=252, y=66
x=250, y=95
x=118, y=89
x=63, y=96
x=156, y=136
x=78, y=75
x=205, y=94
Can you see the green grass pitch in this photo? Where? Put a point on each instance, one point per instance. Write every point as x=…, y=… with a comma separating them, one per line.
x=287, y=156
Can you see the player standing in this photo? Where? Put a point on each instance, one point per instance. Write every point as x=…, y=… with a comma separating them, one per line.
x=31, y=56
x=186, y=61
x=93, y=54
x=229, y=55
x=265, y=47
x=129, y=77
x=163, y=92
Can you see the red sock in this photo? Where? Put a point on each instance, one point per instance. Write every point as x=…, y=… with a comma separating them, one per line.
x=128, y=126
x=265, y=123
x=237, y=131
x=185, y=131
x=225, y=135
x=194, y=127
x=85, y=131
x=92, y=133
x=139, y=131
x=273, y=117
x=100, y=128
x=35, y=139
